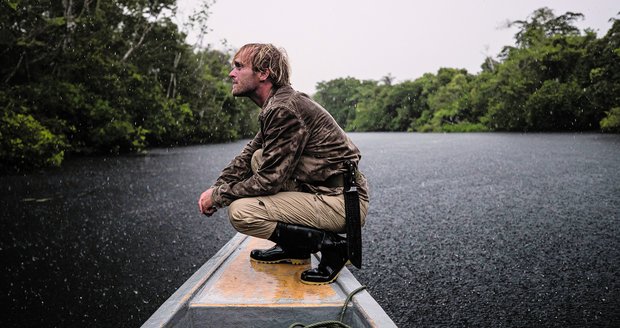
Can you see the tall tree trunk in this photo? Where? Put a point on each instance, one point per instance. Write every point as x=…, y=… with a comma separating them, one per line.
x=19, y=63
x=69, y=23
x=138, y=44
x=172, y=86
x=85, y=7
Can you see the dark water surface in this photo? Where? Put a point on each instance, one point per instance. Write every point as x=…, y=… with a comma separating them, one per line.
x=470, y=230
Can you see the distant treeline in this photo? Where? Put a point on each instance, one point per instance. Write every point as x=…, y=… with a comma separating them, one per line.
x=107, y=77
x=556, y=78
x=84, y=77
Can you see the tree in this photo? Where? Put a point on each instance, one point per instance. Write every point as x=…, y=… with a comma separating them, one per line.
x=450, y=104
x=409, y=98
x=611, y=122
x=538, y=84
x=602, y=80
x=108, y=76
x=542, y=25
x=447, y=102
x=341, y=96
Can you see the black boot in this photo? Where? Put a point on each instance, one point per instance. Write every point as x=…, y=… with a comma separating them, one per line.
x=333, y=258
x=286, y=249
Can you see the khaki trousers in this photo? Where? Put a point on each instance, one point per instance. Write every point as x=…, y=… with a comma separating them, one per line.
x=258, y=216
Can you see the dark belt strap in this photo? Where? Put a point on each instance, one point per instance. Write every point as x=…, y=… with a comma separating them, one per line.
x=352, y=212
x=334, y=181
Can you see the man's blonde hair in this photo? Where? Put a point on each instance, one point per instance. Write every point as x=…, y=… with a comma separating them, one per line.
x=266, y=56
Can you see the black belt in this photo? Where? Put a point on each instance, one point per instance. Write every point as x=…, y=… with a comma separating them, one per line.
x=352, y=212
x=336, y=180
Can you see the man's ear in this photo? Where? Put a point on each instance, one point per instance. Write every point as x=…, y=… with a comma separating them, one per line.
x=264, y=75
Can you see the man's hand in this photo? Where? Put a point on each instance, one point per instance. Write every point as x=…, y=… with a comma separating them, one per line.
x=205, y=203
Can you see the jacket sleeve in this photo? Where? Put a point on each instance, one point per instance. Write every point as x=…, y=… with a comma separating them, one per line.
x=240, y=167
x=284, y=138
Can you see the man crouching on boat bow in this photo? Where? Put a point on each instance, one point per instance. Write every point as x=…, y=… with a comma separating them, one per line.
x=296, y=183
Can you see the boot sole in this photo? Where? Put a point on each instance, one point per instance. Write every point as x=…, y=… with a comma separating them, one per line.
x=318, y=283
x=283, y=261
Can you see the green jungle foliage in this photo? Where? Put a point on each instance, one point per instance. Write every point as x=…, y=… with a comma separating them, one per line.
x=555, y=78
x=82, y=77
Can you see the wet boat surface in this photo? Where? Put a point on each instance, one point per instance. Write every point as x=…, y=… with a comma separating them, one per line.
x=230, y=290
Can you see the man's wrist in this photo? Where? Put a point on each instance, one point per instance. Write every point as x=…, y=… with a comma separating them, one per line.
x=215, y=197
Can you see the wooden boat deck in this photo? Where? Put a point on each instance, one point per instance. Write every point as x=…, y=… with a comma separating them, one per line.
x=230, y=290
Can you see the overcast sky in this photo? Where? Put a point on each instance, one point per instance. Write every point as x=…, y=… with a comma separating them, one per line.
x=329, y=39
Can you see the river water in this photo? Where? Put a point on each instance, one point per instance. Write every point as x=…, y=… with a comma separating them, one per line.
x=491, y=230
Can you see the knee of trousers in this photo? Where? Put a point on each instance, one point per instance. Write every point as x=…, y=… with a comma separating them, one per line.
x=249, y=217
x=247, y=214
x=235, y=215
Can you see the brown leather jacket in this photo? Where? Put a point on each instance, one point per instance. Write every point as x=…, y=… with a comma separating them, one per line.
x=301, y=142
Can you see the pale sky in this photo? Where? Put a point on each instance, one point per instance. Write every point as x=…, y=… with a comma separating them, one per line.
x=329, y=39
